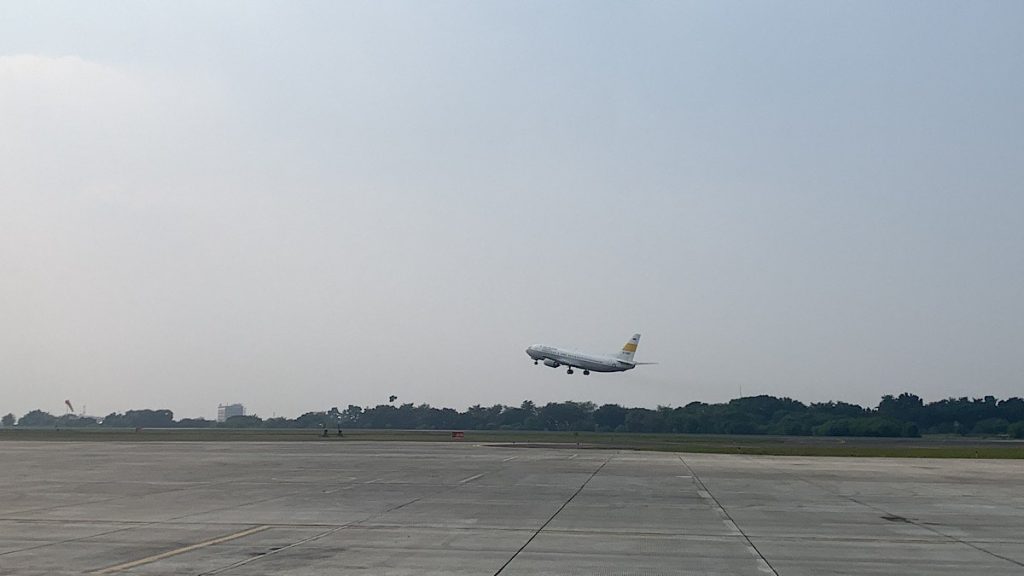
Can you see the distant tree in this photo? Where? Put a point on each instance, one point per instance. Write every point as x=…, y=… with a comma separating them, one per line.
x=408, y=416
x=443, y=419
x=791, y=425
x=567, y=416
x=531, y=419
x=762, y=409
x=836, y=410
x=313, y=420
x=838, y=427
x=640, y=420
x=196, y=423
x=380, y=416
x=684, y=421
x=991, y=426
x=903, y=415
x=865, y=426
x=75, y=421
x=37, y=418
x=1012, y=409
x=609, y=417
x=248, y=421
x=114, y=420
x=351, y=415
x=906, y=407
x=150, y=418
x=742, y=424
x=1016, y=430
x=512, y=418
x=279, y=422
x=140, y=419
x=479, y=417
x=8, y=420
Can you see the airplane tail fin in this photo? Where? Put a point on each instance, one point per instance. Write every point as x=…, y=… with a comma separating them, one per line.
x=629, y=349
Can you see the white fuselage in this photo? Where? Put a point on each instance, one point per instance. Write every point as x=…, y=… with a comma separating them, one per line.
x=555, y=357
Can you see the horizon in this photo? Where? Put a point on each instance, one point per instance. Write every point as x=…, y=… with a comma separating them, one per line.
x=397, y=404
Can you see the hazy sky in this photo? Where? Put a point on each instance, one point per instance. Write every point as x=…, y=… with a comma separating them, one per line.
x=299, y=205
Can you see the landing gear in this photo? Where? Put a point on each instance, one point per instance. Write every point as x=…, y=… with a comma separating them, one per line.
x=534, y=362
x=569, y=371
x=586, y=372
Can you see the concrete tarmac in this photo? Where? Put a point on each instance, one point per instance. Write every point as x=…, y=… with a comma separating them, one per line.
x=388, y=508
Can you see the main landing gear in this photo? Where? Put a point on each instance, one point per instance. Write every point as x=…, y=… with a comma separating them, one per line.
x=569, y=371
x=586, y=372
x=534, y=362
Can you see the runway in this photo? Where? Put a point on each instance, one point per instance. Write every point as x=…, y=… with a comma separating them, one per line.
x=337, y=507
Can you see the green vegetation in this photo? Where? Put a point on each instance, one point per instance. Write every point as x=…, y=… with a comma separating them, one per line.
x=904, y=416
x=930, y=447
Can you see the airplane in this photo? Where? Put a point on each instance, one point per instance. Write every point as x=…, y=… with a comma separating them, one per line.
x=555, y=357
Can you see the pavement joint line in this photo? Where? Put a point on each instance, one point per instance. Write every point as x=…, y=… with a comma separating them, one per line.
x=225, y=508
x=134, y=525
x=762, y=563
x=182, y=550
x=237, y=506
x=315, y=537
x=339, y=489
x=121, y=497
x=560, y=508
x=275, y=551
x=471, y=478
x=78, y=539
x=913, y=522
x=353, y=524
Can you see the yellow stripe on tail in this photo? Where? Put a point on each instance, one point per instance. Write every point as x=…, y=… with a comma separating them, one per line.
x=629, y=348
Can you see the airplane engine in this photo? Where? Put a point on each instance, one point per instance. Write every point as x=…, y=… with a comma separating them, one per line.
x=552, y=363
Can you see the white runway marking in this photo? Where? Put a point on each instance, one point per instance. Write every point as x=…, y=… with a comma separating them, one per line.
x=471, y=478
x=274, y=551
x=182, y=550
x=510, y=458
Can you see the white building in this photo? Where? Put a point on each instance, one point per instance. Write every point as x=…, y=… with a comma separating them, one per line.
x=225, y=411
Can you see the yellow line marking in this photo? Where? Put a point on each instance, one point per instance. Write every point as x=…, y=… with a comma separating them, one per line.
x=182, y=550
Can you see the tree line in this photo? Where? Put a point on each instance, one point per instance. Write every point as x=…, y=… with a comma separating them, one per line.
x=906, y=415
